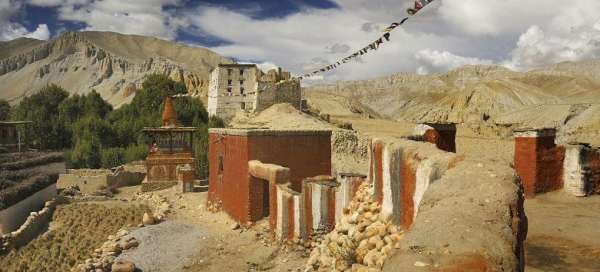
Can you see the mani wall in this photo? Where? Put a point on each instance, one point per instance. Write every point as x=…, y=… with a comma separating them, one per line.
x=456, y=212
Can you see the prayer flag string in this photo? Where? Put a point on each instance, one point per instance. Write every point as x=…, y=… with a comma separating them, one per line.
x=419, y=4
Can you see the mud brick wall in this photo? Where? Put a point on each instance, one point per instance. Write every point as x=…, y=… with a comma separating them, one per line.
x=470, y=214
x=401, y=172
x=305, y=153
x=538, y=161
x=594, y=171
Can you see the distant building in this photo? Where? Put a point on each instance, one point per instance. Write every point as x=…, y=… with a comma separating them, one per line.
x=244, y=87
x=10, y=138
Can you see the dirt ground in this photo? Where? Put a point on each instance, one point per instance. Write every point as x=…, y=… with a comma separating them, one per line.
x=220, y=248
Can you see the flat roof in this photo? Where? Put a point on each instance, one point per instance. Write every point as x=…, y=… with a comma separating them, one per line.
x=268, y=132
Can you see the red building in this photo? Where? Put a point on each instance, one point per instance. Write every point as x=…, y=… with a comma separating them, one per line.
x=307, y=153
x=538, y=160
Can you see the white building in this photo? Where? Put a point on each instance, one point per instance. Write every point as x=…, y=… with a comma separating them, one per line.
x=244, y=87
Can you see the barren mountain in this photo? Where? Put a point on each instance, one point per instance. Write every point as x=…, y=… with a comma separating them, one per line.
x=564, y=96
x=112, y=64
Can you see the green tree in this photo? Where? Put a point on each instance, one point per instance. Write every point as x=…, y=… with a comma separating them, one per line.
x=46, y=132
x=112, y=157
x=4, y=110
x=86, y=153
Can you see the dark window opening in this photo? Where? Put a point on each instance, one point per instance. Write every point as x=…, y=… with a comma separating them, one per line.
x=229, y=82
x=242, y=90
x=220, y=163
x=229, y=72
x=265, y=199
x=229, y=89
x=243, y=106
x=241, y=72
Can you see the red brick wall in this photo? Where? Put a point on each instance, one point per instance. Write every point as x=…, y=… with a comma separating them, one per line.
x=526, y=163
x=306, y=156
x=539, y=164
x=232, y=188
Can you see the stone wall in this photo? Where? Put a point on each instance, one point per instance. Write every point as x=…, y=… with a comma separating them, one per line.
x=92, y=180
x=36, y=223
x=270, y=94
x=14, y=216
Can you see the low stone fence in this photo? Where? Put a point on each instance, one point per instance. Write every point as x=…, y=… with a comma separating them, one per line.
x=92, y=180
x=36, y=223
x=13, y=216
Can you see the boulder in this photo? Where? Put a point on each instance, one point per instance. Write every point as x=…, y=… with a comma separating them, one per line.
x=148, y=219
x=123, y=266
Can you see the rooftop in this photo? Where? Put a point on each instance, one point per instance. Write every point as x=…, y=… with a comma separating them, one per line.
x=268, y=132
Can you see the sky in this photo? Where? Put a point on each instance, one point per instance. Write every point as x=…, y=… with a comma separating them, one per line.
x=302, y=35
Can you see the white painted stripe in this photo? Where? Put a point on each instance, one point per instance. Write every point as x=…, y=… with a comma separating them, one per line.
x=426, y=173
x=573, y=177
x=316, y=205
x=387, y=207
x=280, y=213
x=296, y=216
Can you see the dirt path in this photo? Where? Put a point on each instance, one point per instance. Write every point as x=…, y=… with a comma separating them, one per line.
x=564, y=233
x=210, y=244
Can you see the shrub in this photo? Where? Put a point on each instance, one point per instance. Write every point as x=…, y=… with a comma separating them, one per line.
x=112, y=157
x=136, y=152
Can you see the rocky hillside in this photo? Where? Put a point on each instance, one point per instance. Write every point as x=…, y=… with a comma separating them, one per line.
x=475, y=93
x=112, y=64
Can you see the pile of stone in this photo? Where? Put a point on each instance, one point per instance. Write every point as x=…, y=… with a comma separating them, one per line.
x=214, y=206
x=160, y=204
x=103, y=258
x=362, y=241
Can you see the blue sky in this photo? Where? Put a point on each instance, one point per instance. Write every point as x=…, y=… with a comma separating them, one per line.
x=301, y=35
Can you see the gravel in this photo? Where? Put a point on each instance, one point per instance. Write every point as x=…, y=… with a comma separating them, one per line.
x=165, y=247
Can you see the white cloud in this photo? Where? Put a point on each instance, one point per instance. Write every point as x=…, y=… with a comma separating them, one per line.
x=432, y=61
x=448, y=33
x=41, y=33
x=10, y=30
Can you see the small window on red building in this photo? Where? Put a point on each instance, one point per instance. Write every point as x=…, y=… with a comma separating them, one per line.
x=220, y=163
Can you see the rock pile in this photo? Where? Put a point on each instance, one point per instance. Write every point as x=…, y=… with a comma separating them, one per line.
x=103, y=258
x=362, y=241
x=161, y=205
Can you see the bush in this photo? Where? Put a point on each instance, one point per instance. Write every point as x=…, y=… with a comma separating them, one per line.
x=112, y=157
x=136, y=152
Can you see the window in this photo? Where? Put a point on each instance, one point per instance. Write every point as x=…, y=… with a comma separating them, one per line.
x=241, y=72
x=229, y=82
x=220, y=163
x=229, y=89
x=241, y=82
x=243, y=106
x=242, y=90
x=229, y=72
